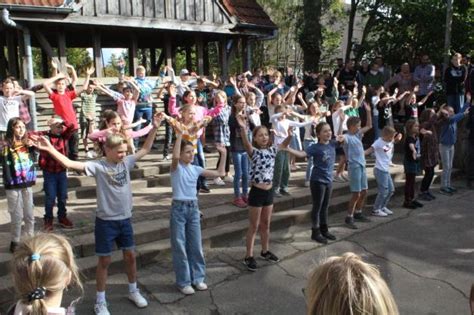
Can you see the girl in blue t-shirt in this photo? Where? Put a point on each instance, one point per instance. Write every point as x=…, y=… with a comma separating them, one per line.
x=185, y=225
x=323, y=154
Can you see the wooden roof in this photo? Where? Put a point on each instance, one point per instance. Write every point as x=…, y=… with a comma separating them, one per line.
x=39, y=3
x=248, y=12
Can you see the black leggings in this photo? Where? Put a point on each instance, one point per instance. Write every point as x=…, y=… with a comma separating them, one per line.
x=427, y=179
x=409, y=187
x=321, y=194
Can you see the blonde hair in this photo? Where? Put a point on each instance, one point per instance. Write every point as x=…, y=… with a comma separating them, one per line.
x=346, y=285
x=223, y=95
x=388, y=131
x=43, y=261
x=114, y=141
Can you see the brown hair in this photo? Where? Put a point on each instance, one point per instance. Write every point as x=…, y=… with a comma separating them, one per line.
x=254, y=133
x=352, y=121
x=10, y=136
x=409, y=126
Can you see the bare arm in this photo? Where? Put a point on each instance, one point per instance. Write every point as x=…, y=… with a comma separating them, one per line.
x=368, y=126
x=73, y=75
x=270, y=95
x=241, y=119
x=47, y=83
x=221, y=167
x=176, y=150
x=297, y=153
x=43, y=144
x=150, y=138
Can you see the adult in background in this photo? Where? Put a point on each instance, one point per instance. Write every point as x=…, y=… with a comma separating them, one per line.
x=383, y=68
x=424, y=75
x=404, y=80
x=454, y=77
x=374, y=78
x=347, y=75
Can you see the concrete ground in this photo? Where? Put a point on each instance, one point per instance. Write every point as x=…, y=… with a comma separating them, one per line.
x=425, y=255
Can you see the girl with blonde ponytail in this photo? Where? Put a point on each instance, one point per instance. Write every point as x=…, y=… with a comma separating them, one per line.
x=43, y=267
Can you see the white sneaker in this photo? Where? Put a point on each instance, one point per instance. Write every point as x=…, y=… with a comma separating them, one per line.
x=229, y=179
x=306, y=183
x=387, y=210
x=187, y=290
x=91, y=154
x=345, y=177
x=201, y=286
x=379, y=213
x=219, y=182
x=339, y=179
x=138, y=299
x=101, y=309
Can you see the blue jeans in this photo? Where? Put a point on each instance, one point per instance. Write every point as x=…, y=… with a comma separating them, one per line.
x=375, y=120
x=385, y=188
x=186, y=245
x=309, y=167
x=456, y=101
x=55, y=186
x=241, y=170
x=447, y=157
x=200, y=160
x=145, y=112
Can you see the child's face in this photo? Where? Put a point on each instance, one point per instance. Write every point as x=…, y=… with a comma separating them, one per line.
x=19, y=130
x=415, y=129
x=140, y=73
x=354, y=128
x=128, y=94
x=115, y=123
x=240, y=104
x=251, y=99
x=277, y=99
x=187, y=154
x=201, y=85
x=389, y=138
x=90, y=88
x=262, y=137
x=8, y=89
x=325, y=133
x=188, y=115
x=61, y=85
x=56, y=129
x=220, y=99
x=116, y=155
x=190, y=98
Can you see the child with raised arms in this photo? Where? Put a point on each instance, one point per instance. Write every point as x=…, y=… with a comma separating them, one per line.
x=185, y=226
x=260, y=201
x=114, y=208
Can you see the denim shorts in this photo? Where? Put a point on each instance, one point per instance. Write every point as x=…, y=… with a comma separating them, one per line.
x=109, y=231
x=357, y=178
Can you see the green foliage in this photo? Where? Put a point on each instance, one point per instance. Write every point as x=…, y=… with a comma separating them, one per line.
x=402, y=30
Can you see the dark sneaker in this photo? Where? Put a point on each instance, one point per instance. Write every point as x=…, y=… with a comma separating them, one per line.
x=13, y=246
x=409, y=205
x=358, y=216
x=48, y=225
x=269, y=256
x=329, y=236
x=284, y=192
x=446, y=191
x=318, y=237
x=250, y=263
x=433, y=197
x=277, y=194
x=417, y=204
x=424, y=196
x=65, y=223
x=350, y=223
x=204, y=190
x=452, y=189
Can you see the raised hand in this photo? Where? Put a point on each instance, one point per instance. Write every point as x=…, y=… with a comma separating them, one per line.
x=172, y=90
x=90, y=70
x=367, y=107
x=242, y=120
x=221, y=148
x=54, y=65
x=300, y=95
x=399, y=137
x=157, y=118
x=41, y=142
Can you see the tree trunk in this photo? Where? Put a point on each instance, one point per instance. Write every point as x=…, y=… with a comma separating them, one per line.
x=311, y=35
x=367, y=28
x=350, y=28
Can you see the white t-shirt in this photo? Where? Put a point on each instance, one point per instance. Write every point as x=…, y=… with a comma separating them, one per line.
x=383, y=154
x=337, y=121
x=9, y=108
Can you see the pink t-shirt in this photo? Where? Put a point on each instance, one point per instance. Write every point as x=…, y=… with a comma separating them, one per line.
x=126, y=109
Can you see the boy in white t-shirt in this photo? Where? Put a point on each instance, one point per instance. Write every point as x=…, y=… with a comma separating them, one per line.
x=10, y=104
x=383, y=150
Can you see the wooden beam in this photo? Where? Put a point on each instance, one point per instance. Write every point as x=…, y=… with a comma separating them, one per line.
x=160, y=61
x=246, y=60
x=3, y=63
x=206, y=59
x=154, y=68
x=200, y=55
x=168, y=51
x=144, y=58
x=189, y=59
x=132, y=54
x=12, y=53
x=44, y=64
x=97, y=48
x=62, y=50
x=223, y=58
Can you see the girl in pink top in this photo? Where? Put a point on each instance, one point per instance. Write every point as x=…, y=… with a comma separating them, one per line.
x=112, y=124
x=126, y=102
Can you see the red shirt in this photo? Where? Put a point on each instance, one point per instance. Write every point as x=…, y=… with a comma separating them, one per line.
x=63, y=106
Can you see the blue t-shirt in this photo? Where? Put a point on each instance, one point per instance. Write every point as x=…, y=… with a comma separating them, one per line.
x=184, y=181
x=324, y=157
x=354, y=149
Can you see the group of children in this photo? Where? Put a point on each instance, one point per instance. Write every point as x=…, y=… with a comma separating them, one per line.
x=262, y=152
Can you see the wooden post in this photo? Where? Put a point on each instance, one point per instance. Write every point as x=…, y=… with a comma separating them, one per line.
x=206, y=59
x=246, y=55
x=132, y=55
x=189, y=59
x=223, y=58
x=44, y=64
x=200, y=55
x=21, y=49
x=3, y=63
x=168, y=52
x=62, y=50
x=154, y=69
x=97, y=48
x=144, y=58
x=12, y=53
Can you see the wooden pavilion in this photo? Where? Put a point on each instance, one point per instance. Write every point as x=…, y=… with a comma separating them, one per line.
x=54, y=25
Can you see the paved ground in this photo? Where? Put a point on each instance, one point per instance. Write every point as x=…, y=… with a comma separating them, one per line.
x=425, y=255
